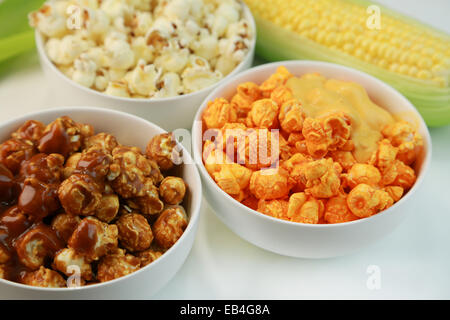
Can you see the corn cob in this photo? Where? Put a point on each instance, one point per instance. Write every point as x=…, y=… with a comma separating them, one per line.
x=411, y=56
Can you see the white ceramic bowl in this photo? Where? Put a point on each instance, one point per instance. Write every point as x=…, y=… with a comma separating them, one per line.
x=148, y=280
x=168, y=113
x=306, y=240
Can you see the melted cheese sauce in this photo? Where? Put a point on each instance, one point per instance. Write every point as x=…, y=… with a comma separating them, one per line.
x=320, y=96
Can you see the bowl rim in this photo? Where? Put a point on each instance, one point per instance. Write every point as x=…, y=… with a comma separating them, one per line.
x=39, y=40
x=198, y=158
x=196, y=196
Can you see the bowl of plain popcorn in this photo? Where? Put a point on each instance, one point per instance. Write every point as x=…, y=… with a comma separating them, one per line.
x=154, y=59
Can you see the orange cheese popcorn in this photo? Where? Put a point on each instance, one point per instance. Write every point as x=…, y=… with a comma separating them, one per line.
x=365, y=201
x=339, y=127
x=281, y=94
x=327, y=133
x=304, y=209
x=316, y=137
x=385, y=154
x=297, y=141
x=399, y=174
x=261, y=149
x=344, y=158
x=270, y=183
x=337, y=211
x=296, y=167
x=296, y=201
x=291, y=116
x=322, y=178
x=230, y=136
x=362, y=173
x=277, y=79
x=285, y=150
x=233, y=179
x=403, y=136
x=219, y=112
x=295, y=137
x=254, y=148
x=299, y=163
x=250, y=201
x=247, y=93
x=264, y=114
x=395, y=192
x=213, y=158
x=349, y=145
x=274, y=208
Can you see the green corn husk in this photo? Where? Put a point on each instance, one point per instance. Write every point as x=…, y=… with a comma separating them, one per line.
x=16, y=36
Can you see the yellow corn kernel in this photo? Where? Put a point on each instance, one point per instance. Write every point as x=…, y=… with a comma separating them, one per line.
x=424, y=74
x=340, y=25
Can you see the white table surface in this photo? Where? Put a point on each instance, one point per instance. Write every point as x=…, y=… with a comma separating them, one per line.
x=414, y=261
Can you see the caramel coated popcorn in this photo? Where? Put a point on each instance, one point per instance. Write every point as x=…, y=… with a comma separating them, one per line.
x=169, y=226
x=44, y=278
x=312, y=172
x=78, y=208
x=116, y=265
x=135, y=233
x=172, y=190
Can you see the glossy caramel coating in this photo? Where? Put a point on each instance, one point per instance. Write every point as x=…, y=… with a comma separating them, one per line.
x=62, y=136
x=116, y=265
x=161, y=149
x=135, y=233
x=172, y=190
x=80, y=194
x=45, y=168
x=7, y=184
x=108, y=208
x=38, y=199
x=31, y=130
x=130, y=170
x=148, y=256
x=169, y=226
x=14, y=151
x=149, y=203
x=44, y=277
x=103, y=141
x=73, y=202
x=37, y=244
x=64, y=224
x=93, y=238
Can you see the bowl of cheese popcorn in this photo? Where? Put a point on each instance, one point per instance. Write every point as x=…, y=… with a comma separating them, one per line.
x=310, y=159
x=154, y=59
x=90, y=209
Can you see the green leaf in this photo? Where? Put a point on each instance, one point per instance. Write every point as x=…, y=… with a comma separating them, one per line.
x=16, y=36
x=16, y=44
x=14, y=15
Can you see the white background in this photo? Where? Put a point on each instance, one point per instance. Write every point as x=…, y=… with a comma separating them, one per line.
x=414, y=261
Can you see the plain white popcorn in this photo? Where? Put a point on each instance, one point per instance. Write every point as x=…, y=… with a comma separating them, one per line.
x=84, y=71
x=141, y=48
x=118, y=89
x=170, y=85
x=198, y=74
x=143, y=78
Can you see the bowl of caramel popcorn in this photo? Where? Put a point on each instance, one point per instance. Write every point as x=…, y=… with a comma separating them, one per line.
x=155, y=59
x=95, y=203
x=310, y=159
